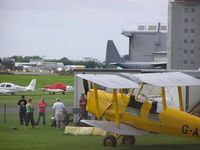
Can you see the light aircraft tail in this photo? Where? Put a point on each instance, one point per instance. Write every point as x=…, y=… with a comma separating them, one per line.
x=69, y=88
x=112, y=54
x=31, y=86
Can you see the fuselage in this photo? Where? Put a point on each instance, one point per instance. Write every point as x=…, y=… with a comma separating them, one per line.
x=169, y=121
x=6, y=87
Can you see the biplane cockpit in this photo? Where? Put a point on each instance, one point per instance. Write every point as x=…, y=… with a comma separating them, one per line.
x=126, y=113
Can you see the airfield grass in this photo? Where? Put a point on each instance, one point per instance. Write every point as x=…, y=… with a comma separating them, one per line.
x=15, y=137
x=24, y=80
x=11, y=100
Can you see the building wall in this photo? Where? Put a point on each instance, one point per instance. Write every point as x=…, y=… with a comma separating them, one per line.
x=184, y=35
x=143, y=44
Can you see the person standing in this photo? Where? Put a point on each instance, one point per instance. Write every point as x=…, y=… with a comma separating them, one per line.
x=21, y=104
x=82, y=105
x=58, y=112
x=29, y=113
x=41, y=111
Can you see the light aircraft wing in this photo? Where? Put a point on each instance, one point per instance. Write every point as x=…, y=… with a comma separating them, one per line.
x=111, y=127
x=168, y=79
x=3, y=91
x=109, y=81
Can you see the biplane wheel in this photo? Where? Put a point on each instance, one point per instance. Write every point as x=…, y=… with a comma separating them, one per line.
x=128, y=140
x=63, y=93
x=110, y=141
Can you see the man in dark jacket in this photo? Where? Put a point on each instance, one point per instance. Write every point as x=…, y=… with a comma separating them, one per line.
x=21, y=104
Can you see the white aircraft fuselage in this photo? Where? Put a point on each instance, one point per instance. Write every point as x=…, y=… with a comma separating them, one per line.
x=6, y=87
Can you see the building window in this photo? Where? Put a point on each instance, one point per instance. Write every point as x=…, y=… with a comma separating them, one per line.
x=192, y=51
x=186, y=20
x=192, y=30
x=191, y=61
x=185, y=41
x=185, y=51
x=186, y=10
x=193, y=20
x=192, y=40
x=185, y=61
x=193, y=10
x=185, y=30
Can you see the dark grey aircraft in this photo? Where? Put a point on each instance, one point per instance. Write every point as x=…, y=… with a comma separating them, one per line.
x=113, y=58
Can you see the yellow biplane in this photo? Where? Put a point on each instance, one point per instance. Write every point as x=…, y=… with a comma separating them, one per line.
x=118, y=108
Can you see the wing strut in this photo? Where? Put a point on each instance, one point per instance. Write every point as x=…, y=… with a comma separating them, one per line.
x=163, y=98
x=96, y=101
x=180, y=98
x=141, y=87
x=116, y=107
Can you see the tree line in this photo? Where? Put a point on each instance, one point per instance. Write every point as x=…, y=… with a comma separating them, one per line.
x=89, y=62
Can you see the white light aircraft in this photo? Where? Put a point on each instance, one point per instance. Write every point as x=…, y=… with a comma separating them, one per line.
x=12, y=88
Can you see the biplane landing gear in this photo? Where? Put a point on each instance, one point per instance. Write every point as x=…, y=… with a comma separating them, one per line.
x=128, y=140
x=110, y=141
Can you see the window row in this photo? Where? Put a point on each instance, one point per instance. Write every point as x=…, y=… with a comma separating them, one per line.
x=188, y=61
x=192, y=20
x=187, y=41
x=188, y=51
x=187, y=31
x=187, y=10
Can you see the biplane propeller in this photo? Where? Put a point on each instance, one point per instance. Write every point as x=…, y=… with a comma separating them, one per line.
x=122, y=114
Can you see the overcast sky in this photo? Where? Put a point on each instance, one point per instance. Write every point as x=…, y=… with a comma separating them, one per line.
x=72, y=28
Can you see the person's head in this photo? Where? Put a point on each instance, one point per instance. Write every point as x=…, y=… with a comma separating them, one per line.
x=82, y=95
x=30, y=100
x=22, y=96
x=57, y=99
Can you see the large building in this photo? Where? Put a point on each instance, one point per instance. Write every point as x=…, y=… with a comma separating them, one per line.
x=147, y=42
x=184, y=34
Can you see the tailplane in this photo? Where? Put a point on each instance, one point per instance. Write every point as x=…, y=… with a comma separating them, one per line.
x=31, y=86
x=112, y=54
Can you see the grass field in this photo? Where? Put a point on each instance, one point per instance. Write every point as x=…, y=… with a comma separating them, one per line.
x=11, y=100
x=15, y=137
x=41, y=80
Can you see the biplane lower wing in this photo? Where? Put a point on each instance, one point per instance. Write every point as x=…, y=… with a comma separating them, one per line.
x=111, y=127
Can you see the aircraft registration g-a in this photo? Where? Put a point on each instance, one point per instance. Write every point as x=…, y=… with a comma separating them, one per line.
x=6, y=87
x=123, y=114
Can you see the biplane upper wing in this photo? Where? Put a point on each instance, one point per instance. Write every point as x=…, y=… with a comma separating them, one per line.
x=109, y=81
x=167, y=79
x=111, y=127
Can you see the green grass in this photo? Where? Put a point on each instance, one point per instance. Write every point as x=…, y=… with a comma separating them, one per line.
x=41, y=80
x=47, y=138
x=11, y=100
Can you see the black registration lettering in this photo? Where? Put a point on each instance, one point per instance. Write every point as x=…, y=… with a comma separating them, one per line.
x=185, y=129
x=195, y=133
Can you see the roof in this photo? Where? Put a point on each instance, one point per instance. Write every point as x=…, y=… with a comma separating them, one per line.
x=109, y=81
x=169, y=79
